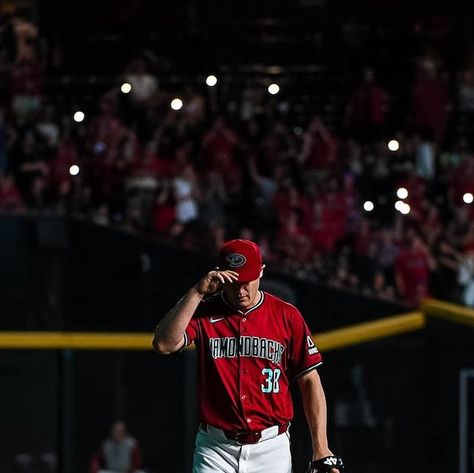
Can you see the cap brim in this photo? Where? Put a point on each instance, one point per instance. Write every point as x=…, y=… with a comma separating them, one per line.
x=249, y=275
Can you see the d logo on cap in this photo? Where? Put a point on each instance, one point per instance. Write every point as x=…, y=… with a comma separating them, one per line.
x=236, y=260
x=242, y=256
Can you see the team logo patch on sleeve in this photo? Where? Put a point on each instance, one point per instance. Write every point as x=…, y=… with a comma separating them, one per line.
x=312, y=348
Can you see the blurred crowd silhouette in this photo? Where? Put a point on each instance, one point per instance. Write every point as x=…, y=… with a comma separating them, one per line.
x=315, y=186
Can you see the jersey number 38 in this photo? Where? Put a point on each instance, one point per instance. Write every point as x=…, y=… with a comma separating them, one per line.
x=271, y=380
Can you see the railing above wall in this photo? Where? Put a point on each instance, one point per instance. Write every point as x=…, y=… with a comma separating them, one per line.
x=326, y=341
x=64, y=274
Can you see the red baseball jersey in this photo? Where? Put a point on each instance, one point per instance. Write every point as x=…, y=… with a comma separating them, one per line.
x=247, y=359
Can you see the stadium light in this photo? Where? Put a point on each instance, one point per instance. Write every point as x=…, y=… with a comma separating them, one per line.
x=126, y=88
x=402, y=207
x=405, y=210
x=211, y=80
x=393, y=145
x=79, y=116
x=402, y=193
x=368, y=206
x=273, y=89
x=74, y=170
x=468, y=198
x=176, y=104
x=399, y=205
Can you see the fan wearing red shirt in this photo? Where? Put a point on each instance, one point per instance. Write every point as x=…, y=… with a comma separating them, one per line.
x=250, y=346
x=412, y=271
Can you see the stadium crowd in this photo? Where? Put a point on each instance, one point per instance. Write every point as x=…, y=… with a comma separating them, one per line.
x=318, y=197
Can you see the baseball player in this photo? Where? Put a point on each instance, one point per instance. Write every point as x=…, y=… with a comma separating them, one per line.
x=250, y=346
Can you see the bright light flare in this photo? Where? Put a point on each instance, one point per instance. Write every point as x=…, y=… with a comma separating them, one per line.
x=79, y=116
x=393, y=145
x=405, y=210
x=468, y=198
x=402, y=207
x=368, y=206
x=176, y=104
x=211, y=80
x=402, y=193
x=273, y=89
x=74, y=170
x=126, y=88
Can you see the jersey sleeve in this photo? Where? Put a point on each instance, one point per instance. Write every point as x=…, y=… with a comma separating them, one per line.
x=304, y=355
x=192, y=332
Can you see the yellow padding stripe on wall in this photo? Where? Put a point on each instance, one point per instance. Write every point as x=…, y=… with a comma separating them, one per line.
x=370, y=331
x=326, y=341
x=448, y=311
x=75, y=340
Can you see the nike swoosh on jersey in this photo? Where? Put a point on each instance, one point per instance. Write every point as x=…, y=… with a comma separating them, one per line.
x=214, y=320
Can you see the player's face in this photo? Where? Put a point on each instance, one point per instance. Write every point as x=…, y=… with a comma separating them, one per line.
x=242, y=295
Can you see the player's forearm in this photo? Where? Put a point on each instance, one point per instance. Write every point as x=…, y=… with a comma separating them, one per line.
x=314, y=403
x=169, y=332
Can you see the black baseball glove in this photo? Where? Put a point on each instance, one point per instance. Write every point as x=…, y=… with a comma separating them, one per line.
x=325, y=464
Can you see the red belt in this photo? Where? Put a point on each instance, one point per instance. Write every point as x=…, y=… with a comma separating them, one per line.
x=246, y=438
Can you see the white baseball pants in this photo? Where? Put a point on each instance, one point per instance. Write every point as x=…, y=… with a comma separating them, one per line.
x=216, y=453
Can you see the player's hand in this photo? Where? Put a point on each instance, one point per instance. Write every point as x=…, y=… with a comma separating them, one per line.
x=215, y=280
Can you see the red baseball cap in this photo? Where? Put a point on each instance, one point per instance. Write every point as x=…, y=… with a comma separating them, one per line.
x=242, y=256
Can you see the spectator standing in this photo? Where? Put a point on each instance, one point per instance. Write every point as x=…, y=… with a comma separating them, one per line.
x=212, y=205
x=26, y=84
x=60, y=178
x=219, y=141
x=144, y=85
x=430, y=101
x=384, y=254
x=164, y=209
x=466, y=91
x=462, y=181
x=412, y=271
x=319, y=148
x=466, y=278
x=29, y=168
x=119, y=453
x=141, y=99
x=10, y=199
x=425, y=158
x=367, y=108
x=186, y=194
x=4, y=139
